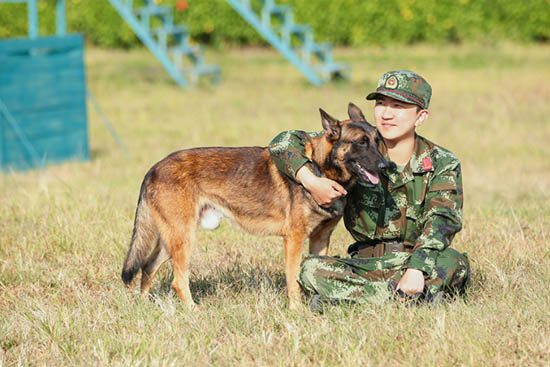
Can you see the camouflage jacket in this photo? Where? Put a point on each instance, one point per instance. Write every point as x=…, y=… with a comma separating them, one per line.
x=421, y=206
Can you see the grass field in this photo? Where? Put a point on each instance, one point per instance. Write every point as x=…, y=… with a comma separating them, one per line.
x=64, y=231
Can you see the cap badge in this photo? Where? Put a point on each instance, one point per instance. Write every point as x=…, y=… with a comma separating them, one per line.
x=427, y=163
x=391, y=82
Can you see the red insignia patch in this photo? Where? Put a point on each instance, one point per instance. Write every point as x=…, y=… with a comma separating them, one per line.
x=427, y=163
x=391, y=82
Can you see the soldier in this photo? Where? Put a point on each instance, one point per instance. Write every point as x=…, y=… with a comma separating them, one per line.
x=405, y=223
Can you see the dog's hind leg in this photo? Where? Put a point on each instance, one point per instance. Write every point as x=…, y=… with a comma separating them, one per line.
x=320, y=238
x=180, y=242
x=153, y=263
x=144, y=235
x=293, y=255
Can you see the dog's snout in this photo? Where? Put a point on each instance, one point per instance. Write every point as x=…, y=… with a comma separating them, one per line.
x=385, y=165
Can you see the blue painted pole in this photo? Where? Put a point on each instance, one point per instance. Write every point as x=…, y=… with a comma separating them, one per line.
x=60, y=18
x=107, y=123
x=21, y=135
x=33, y=18
x=1, y=143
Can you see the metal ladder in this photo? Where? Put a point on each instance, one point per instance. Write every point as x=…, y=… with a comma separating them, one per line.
x=294, y=41
x=169, y=42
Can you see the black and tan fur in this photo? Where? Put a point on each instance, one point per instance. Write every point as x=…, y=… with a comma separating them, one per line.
x=245, y=186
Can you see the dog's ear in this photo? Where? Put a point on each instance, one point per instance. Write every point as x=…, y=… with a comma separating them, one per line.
x=355, y=114
x=331, y=126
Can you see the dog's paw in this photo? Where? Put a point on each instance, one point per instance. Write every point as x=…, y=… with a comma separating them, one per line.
x=295, y=304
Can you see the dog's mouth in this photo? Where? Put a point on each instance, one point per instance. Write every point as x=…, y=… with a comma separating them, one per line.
x=366, y=175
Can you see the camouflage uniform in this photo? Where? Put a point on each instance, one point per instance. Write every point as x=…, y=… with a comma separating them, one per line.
x=419, y=207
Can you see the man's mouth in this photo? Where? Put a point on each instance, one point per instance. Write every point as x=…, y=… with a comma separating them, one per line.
x=367, y=175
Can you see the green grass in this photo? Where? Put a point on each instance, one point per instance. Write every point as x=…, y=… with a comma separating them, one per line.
x=64, y=231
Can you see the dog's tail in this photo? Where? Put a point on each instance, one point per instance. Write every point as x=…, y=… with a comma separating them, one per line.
x=145, y=232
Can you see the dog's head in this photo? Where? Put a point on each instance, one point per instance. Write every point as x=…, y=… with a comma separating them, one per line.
x=354, y=153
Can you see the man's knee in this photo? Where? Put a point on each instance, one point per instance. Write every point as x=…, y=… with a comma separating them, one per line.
x=452, y=271
x=307, y=277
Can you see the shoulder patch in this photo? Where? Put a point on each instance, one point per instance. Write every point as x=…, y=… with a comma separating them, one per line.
x=427, y=163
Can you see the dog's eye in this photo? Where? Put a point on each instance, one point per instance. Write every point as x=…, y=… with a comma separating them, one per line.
x=363, y=142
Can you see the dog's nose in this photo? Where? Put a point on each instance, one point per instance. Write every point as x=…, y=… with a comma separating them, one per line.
x=386, y=165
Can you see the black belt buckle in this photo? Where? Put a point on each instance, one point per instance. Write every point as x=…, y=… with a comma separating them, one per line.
x=388, y=247
x=355, y=247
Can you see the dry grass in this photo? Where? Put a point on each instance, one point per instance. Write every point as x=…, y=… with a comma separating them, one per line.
x=64, y=231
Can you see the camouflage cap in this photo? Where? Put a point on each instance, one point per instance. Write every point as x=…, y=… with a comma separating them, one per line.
x=404, y=86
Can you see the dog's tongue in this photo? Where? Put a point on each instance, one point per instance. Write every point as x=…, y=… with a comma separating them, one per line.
x=372, y=177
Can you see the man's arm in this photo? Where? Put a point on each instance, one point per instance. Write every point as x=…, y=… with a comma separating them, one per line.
x=287, y=151
x=442, y=220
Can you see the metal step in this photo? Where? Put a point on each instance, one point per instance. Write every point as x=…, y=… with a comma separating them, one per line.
x=302, y=31
x=151, y=10
x=170, y=29
x=187, y=49
x=194, y=73
x=280, y=36
x=168, y=42
x=332, y=70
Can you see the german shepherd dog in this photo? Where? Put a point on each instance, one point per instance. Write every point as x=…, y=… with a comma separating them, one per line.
x=244, y=185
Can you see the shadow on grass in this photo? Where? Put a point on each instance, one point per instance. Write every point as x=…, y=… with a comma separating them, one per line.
x=477, y=287
x=97, y=153
x=235, y=277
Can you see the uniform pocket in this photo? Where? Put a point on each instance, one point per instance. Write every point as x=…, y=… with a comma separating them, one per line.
x=371, y=204
x=413, y=214
x=362, y=211
x=443, y=186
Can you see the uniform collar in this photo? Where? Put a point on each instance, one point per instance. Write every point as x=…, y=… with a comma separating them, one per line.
x=421, y=161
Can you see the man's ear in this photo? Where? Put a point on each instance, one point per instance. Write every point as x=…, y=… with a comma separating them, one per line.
x=422, y=116
x=330, y=125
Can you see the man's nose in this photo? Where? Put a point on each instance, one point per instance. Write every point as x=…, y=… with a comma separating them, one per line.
x=387, y=113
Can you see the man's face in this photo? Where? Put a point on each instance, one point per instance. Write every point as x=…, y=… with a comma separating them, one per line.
x=396, y=120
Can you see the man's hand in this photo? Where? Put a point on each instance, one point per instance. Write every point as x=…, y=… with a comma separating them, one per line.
x=323, y=190
x=412, y=282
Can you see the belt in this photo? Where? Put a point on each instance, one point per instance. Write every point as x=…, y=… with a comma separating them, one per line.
x=377, y=248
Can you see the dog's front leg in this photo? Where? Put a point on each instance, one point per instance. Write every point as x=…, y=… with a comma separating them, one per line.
x=320, y=238
x=293, y=256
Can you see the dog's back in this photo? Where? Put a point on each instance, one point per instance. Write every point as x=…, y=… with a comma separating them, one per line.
x=241, y=183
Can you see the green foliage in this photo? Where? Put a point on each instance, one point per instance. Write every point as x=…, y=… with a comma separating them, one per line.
x=344, y=22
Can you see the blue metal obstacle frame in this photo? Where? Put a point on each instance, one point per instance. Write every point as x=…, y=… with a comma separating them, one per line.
x=42, y=96
x=282, y=34
x=170, y=43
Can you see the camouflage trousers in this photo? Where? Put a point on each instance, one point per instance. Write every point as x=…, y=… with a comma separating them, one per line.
x=373, y=280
